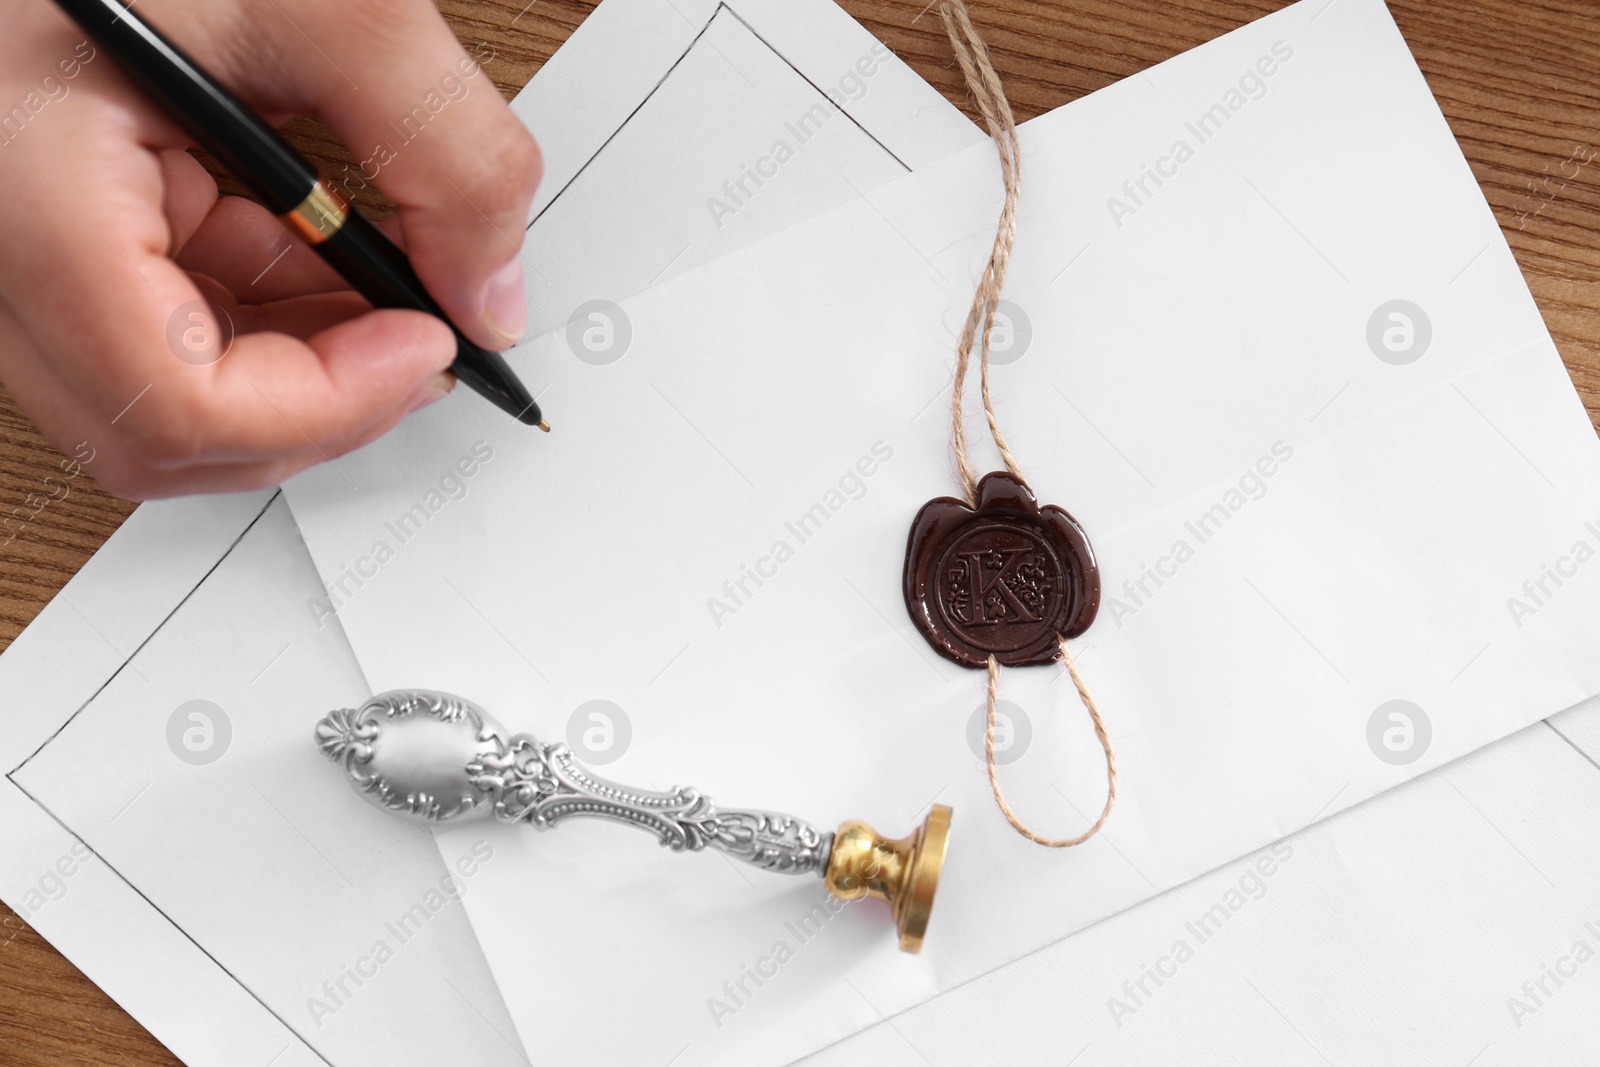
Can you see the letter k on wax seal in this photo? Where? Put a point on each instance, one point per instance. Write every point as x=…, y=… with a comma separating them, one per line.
x=1006, y=578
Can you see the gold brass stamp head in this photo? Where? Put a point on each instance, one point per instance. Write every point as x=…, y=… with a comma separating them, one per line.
x=902, y=872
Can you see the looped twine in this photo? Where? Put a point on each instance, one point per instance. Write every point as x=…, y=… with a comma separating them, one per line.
x=1099, y=732
x=972, y=55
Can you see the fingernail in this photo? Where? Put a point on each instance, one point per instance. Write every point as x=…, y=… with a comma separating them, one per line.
x=505, y=304
x=437, y=389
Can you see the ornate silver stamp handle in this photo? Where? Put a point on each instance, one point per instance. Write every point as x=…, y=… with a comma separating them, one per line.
x=437, y=757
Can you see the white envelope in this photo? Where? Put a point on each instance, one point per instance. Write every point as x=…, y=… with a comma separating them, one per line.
x=1437, y=926
x=1371, y=500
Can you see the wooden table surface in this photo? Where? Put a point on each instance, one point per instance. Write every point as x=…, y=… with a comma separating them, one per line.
x=1519, y=81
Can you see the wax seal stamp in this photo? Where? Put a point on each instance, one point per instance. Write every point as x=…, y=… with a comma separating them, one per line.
x=1006, y=578
x=438, y=758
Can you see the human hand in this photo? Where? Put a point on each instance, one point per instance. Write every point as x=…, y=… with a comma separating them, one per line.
x=113, y=233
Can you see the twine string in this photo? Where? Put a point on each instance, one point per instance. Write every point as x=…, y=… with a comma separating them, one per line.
x=972, y=55
x=1099, y=732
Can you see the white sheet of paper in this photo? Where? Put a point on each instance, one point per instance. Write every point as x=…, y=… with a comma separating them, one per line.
x=200, y=874
x=79, y=644
x=311, y=917
x=631, y=173
x=1198, y=371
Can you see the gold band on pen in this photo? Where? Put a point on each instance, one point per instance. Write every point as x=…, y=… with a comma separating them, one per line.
x=320, y=214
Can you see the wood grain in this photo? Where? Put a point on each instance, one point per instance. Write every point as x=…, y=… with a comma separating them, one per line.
x=1515, y=79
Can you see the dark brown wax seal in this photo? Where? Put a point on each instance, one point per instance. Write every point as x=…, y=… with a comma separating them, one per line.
x=1002, y=579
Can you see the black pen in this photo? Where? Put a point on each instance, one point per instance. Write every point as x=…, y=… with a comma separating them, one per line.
x=289, y=185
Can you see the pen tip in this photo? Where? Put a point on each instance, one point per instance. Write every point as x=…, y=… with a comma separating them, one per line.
x=545, y=426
